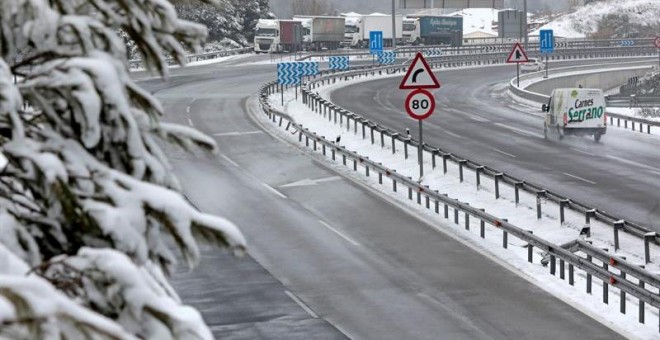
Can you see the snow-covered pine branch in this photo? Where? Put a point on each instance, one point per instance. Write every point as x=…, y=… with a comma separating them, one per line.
x=87, y=188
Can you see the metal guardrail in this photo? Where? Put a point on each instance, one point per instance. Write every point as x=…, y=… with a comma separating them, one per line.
x=135, y=63
x=601, y=271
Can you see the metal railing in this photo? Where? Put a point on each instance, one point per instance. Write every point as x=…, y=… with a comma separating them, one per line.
x=592, y=261
x=136, y=63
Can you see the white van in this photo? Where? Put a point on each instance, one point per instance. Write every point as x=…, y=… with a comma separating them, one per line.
x=575, y=111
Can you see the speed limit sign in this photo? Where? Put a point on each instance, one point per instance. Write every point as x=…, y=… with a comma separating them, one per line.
x=420, y=104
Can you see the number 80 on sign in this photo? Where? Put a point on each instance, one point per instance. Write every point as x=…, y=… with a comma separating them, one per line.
x=420, y=104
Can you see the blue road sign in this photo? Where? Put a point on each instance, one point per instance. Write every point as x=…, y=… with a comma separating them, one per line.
x=289, y=73
x=626, y=43
x=339, y=63
x=309, y=68
x=547, y=41
x=375, y=41
x=434, y=52
x=386, y=57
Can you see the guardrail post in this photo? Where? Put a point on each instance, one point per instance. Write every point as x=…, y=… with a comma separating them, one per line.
x=617, y=226
x=482, y=227
x=433, y=154
x=478, y=171
x=364, y=132
x=367, y=169
x=497, y=184
x=393, y=184
x=571, y=280
x=343, y=158
x=562, y=205
x=561, y=269
x=461, y=163
x=618, y=122
x=505, y=237
x=405, y=147
x=455, y=215
x=419, y=197
x=410, y=193
x=530, y=249
x=437, y=205
x=589, y=277
x=394, y=135
x=467, y=221
x=648, y=129
x=372, y=127
x=444, y=161
x=333, y=154
x=428, y=199
x=553, y=265
x=354, y=164
x=622, y=294
x=446, y=208
x=605, y=292
x=516, y=187
x=648, y=238
x=382, y=139
x=539, y=196
x=641, y=302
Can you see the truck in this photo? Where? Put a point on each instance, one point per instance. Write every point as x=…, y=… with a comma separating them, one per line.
x=440, y=30
x=322, y=32
x=358, y=29
x=411, y=31
x=575, y=111
x=274, y=36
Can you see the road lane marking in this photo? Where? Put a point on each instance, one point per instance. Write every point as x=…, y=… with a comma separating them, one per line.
x=310, y=182
x=273, y=190
x=580, y=178
x=190, y=122
x=339, y=233
x=230, y=161
x=188, y=109
x=504, y=153
x=478, y=119
x=582, y=152
x=629, y=162
x=517, y=130
x=301, y=304
x=452, y=134
x=237, y=133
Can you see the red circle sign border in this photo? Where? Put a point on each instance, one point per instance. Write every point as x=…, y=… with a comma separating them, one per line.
x=409, y=99
x=657, y=42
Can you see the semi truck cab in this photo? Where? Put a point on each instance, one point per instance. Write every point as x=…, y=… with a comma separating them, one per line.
x=266, y=36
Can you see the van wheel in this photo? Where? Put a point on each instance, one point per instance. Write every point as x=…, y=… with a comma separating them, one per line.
x=597, y=137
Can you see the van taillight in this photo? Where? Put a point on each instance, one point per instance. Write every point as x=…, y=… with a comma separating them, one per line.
x=604, y=119
x=565, y=119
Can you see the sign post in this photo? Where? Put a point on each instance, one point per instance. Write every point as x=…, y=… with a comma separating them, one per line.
x=375, y=44
x=517, y=56
x=547, y=46
x=420, y=104
x=657, y=45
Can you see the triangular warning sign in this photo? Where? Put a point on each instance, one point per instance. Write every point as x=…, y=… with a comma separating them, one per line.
x=419, y=75
x=517, y=55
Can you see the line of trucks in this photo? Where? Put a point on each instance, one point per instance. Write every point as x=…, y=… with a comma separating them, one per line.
x=316, y=33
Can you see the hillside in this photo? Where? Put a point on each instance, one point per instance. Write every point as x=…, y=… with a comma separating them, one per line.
x=609, y=19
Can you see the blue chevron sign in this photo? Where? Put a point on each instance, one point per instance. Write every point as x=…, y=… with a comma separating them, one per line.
x=433, y=52
x=309, y=68
x=288, y=73
x=339, y=63
x=387, y=57
x=626, y=42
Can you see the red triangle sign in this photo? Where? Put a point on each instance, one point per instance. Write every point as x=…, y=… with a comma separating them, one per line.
x=419, y=76
x=517, y=55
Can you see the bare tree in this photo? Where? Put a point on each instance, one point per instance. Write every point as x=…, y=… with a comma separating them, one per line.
x=312, y=7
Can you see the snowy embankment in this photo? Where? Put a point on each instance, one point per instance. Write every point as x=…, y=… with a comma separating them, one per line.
x=522, y=215
x=631, y=112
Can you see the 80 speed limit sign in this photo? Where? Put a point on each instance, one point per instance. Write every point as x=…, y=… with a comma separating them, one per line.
x=420, y=104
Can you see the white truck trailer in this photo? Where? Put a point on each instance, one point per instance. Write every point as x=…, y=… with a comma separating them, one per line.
x=575, y=111
x=358, y=28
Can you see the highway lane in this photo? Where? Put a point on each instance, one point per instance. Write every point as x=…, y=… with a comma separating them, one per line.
x=368, y=267
x=475, y=119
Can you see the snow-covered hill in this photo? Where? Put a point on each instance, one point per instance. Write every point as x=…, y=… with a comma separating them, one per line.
x=609, y=19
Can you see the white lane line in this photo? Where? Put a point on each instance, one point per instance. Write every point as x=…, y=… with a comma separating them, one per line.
x=190, y=122
x=629, y=162
x=237, y=133
x=274, y=191
x=580, y=178
x=188, y=109
x=517, y=130
x=339, y=233
x=479, y=119
x=328, y=179
x=230, y=161
x=582, y=152
x=452, y=134
x=504, y=153
x=301, y=304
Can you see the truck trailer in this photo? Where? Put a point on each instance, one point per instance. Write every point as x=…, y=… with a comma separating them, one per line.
x=322, y=32
x=358, y=28
x=440, y=30
x=274, y=36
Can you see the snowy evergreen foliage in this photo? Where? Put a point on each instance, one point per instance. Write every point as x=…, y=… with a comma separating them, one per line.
x=225, y=19
x=89, y=209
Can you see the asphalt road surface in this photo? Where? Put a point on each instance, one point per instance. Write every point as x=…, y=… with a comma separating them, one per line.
x=475, y=119
x=349, y=256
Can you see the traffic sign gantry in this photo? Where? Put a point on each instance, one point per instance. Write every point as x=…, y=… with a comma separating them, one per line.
x=419, y=76
x=420, y=104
